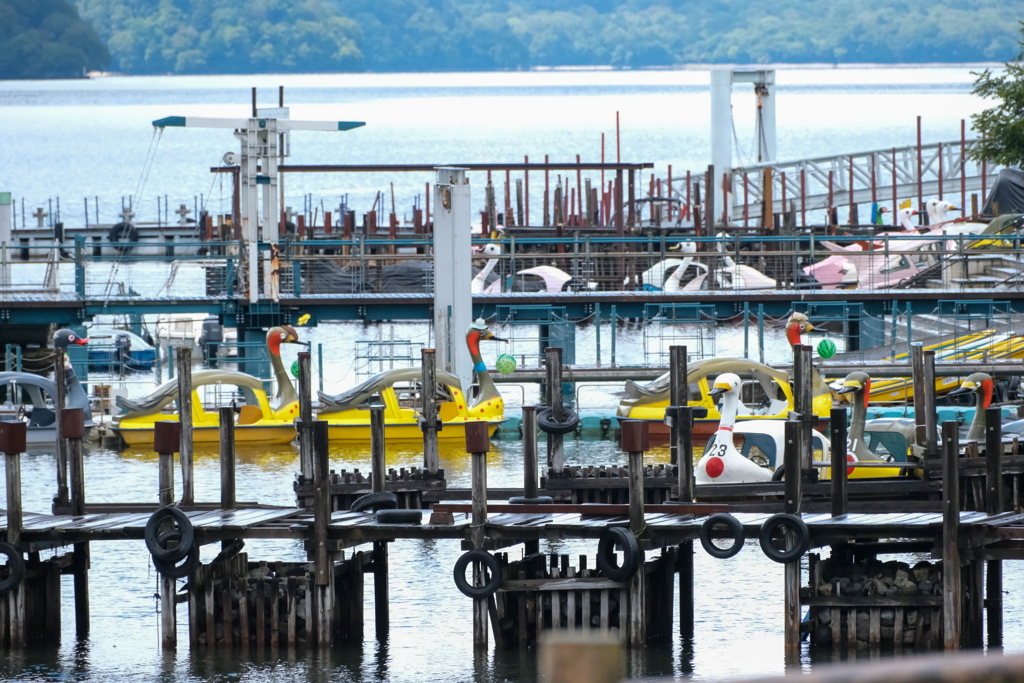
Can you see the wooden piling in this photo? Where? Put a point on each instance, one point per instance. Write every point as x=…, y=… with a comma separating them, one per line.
x=380, y=548
x=12, y=443
x=951, y=587
x=931, y=427
x=792, y=457
x=635, y=441
x=920, y=390
x=73, y=429
x=428, y=413
x=530, y=465
x=478, y=445
x=183, y=362
x=678, y=393
x=166, y=441
x=227, y=458
x=322, y=565
x=803, y=404
x=553, y=368
x=994, y=506
x=683, y=427
x=305, y=425
x=60, y=400
x=839, y=439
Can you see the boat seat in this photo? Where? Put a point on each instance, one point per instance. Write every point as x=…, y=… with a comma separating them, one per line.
x=42, y=417
x=250, y=415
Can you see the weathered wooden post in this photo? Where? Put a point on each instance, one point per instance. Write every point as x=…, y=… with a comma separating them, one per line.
x=227, y=458
x=12, y=443
x=183, y=359
x=635, y=441
x=73, y=429
x=920, y=390
x=803, y=405
x=378, y=484
x=931, y=427
x=951, y=587
x=839, y=439
x=166, y=441
x=530, y=465
x=323, y=566
x=428, y=415
x=678, y=394
x=305, y=423
x=60, y=400
x=994, y=506
x=793, y=497
x=478, y=444
x=553, y=368
x=682, y=425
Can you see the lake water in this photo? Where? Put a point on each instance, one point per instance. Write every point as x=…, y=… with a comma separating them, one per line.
x=77, y=139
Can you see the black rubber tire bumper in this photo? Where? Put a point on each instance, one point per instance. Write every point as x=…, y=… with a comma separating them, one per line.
x=152, y=535
x=385, y=500
x=179, y=571
x=631, y=556
x=399, y=516
x=734, y=528
x=15, y=568
x=570, y=421
x=491, y=565
x=786, y=522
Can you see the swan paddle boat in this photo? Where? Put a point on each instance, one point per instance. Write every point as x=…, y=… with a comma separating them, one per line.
x=981, y=384
x=721, y=462
x=258, y=418
x=399, y=391
x=29, y=398
x=857, y=388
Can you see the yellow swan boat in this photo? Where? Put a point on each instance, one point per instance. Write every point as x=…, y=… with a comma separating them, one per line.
x=258, y=420
x=399, y=392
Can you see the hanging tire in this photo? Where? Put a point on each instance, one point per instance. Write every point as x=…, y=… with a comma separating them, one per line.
x=152, y=535
x=570, y=421
x=539, y=500
x=15, y=568
x=385, y=500
x=790, y=523
x=735, y=530
x=490, y=562
x=179, y=571
x=779, y=474
x=606, y=561
x=125, y=231
x=399, y=516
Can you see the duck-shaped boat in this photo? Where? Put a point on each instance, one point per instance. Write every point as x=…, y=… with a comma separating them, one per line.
x=721, y=462
x=857, y=386
x=30, y=398
x=982, y=385
x=399, y=392
x=259, y=419
x=771, y=391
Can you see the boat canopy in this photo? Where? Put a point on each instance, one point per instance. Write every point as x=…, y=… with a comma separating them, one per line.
x=357, y=396
x=1007, y=192
x=168, y=392
x=658, y=390
x=32, y=385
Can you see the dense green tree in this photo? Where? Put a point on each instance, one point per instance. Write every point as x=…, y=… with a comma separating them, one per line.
x=47, y=39
x=1002, y=126
x=240, y=36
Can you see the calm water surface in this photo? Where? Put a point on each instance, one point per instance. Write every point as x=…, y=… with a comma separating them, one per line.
x=81, y=139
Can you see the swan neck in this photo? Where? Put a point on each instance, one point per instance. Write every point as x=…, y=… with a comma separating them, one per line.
x=730, y=404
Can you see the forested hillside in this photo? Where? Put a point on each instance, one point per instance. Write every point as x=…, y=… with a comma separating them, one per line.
x=244, y=36
x=47, y=39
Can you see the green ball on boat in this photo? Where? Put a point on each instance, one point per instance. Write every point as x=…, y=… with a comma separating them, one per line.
x=505, y=364
x=295, y=369
x=826, y=348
